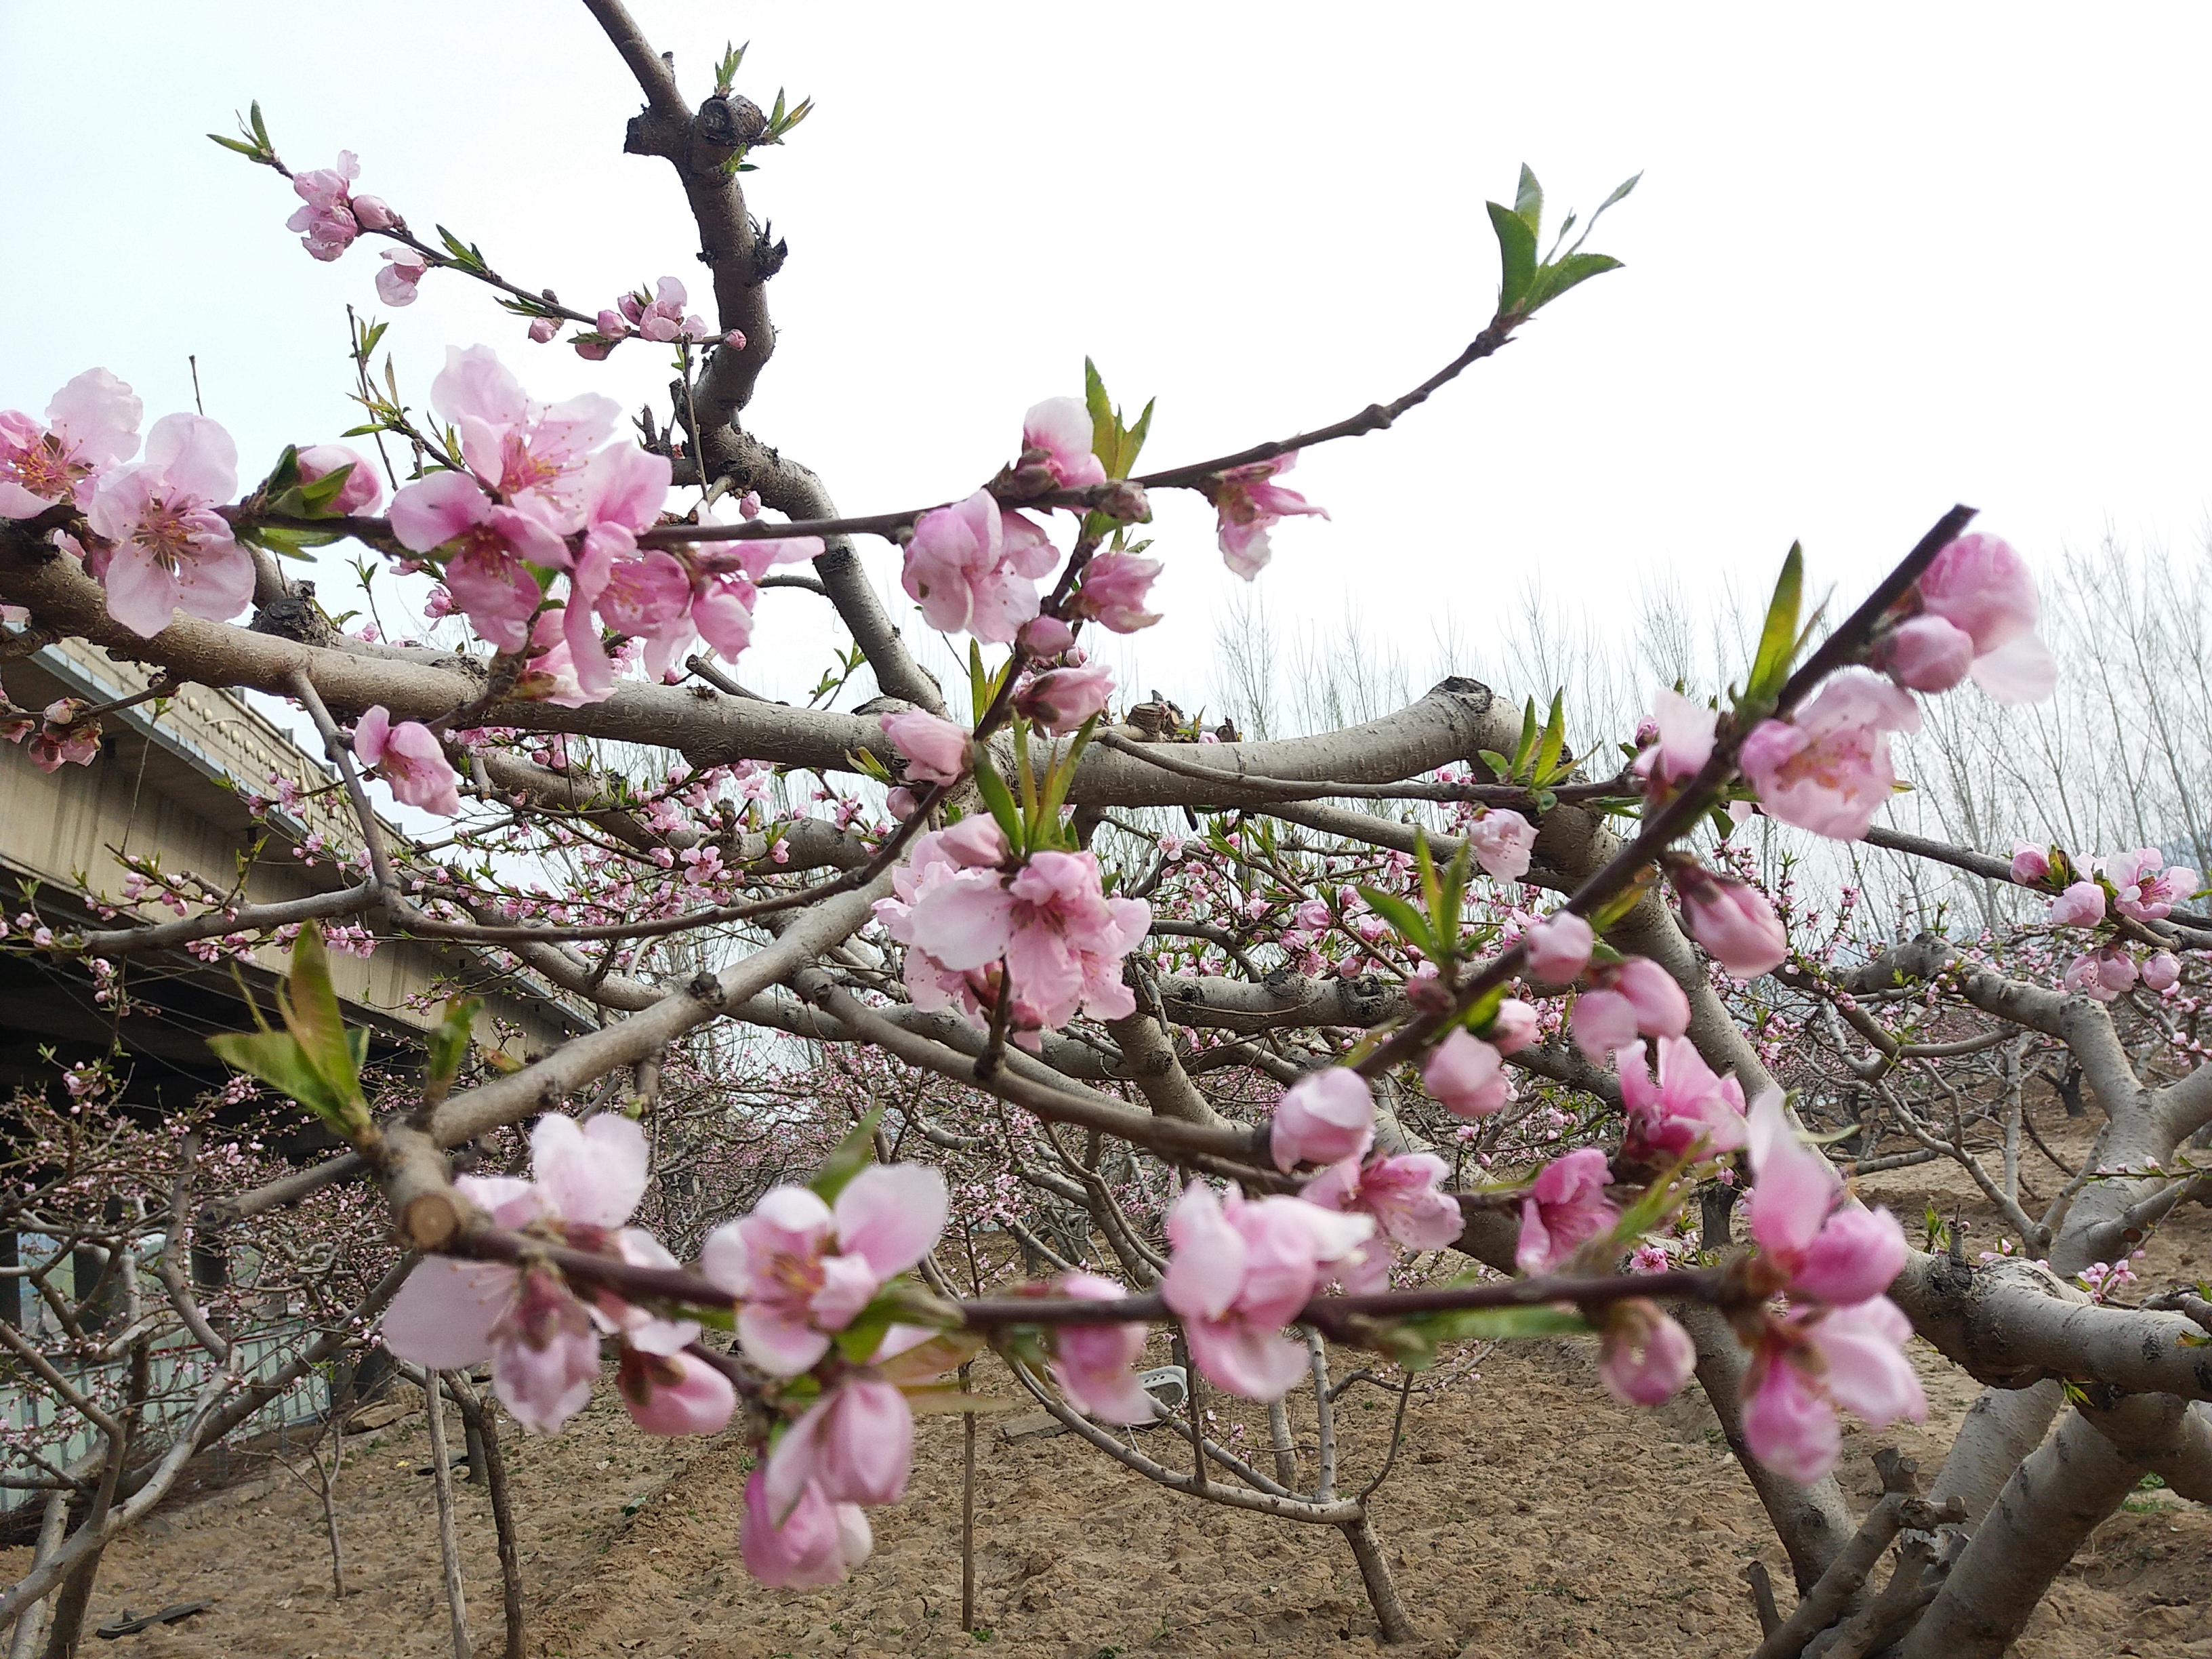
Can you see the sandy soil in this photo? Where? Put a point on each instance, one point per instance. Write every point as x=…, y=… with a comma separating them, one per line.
x=1530, y=1516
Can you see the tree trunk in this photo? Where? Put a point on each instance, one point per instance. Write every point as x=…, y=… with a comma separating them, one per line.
x=449, y=1543
x=31, y=1623
x=1374, y=1572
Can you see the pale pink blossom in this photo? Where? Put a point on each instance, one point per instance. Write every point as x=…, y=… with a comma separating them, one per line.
x=362, y=490
x=1057, y=432
x=373, y=213
x=327, y=219
x=1566, y=1206
x=172, y=550
x=1467, y=1077
x=1061, y=699
x=1682, y=738
x=2104, y=974
x=2081, y=905
x=1501, y=839
x=64, y=738
x=802, y=1269
x=397, y=278
x=1828, y=769
x=974, y=566
x=936, y=751
x=1687, y=1108
x=1061, y=939
x=854, y=1445
x=1638, y=997
x=542, y=1340
x=412, y=760
x=1926, y=654
x=2162, y=970
x=1093, y=1363
x=1113, y=592
x=664, y=318
x=816, y=1542
x=1400, y=1192
x=673, y=1393
x=1324, y=1116
x=91, y=424
x=542, y=329
x=1046, y=638
x=1733, y=922
x=1513, y=1026
x=530, y=455
x=1983, y=588
x=1644, y=1358
x=1840, y=1344
x=642, y=593
x=2145, y=887
x=1558, y=947
x=1246, y=501
x=976, y=843
x=1241, y=1270
x=2030, y=864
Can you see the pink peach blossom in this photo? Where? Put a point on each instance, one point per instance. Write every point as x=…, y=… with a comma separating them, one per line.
x=1644, y=1358
x=1515, y=1026
x=1093, y=1363
x=362, y=490
x=674, y=1393
x=1833, y=1252
x=1061, y=939
x=1113, y=592
x=1467, y=1077
x=804, y=1269
x=1828, y=769
x=1061, y=699
x=854, y=1445
x=1983, y=588
x=1733, y=922
x=2161, y=970
x=1324, y=1116
x=1401, y=1193
x=1559, y=947
x=1565, y=1207
x=2145, y=887
x=530, y=455
x=1240, y=1270
x=396, y=279
x=1058, y=430
x=91, y=425
x=936, y=751
x=974, y=566
x=1501, y=839
x=1810, y=1364
x=1686, y=1108
x=1637, y=997
x=412, y=760
x=172, y=550
x=2081, y=905
x=816, y=1543
x=1927, y=654
x=1246, y=501
x=542, y=1340
x=1682, y=739
x=1043, y=638
x=327, y=219
x=2030, y=864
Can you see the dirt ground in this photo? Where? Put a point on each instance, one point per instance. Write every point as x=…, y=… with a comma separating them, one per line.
x=1529, y=1515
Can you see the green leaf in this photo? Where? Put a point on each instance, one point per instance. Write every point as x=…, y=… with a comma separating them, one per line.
x=1061, y=777
x=252, y=151
x=1484, y=1011
x=447, y=1046
x=999, y=800
x=1569, y=271
x=1493, y=1325
x=981, y=687
x=1620, y=193
x=1555, y=738
x=310, y=1008
x=1527, y=746
x=860, y=1339
x=1133, y=441
x=848, y=1158
x=1516, y=252
x=1501, y=767
x=1104, y=428
x=1432, y=890
x=1411, y=926
x=276, y=1058
x=1777, y=639
x=1529, y=200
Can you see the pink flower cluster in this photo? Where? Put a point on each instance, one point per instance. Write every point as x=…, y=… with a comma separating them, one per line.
x=662, y=316
x=1978, y=609
x=1840, y=1344
x=542, y=1339
x=1043, y=932
x=974, y=566
x=333, y=216
x=1686, y=1110
x=1240, y=1271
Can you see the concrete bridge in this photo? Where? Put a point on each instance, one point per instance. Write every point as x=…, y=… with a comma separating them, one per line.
x=171, y=787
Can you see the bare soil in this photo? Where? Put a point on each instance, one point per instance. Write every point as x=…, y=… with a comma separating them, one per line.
x=1528, y=1514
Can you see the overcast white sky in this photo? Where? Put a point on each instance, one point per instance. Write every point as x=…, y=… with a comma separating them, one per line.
x=1884, y=258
